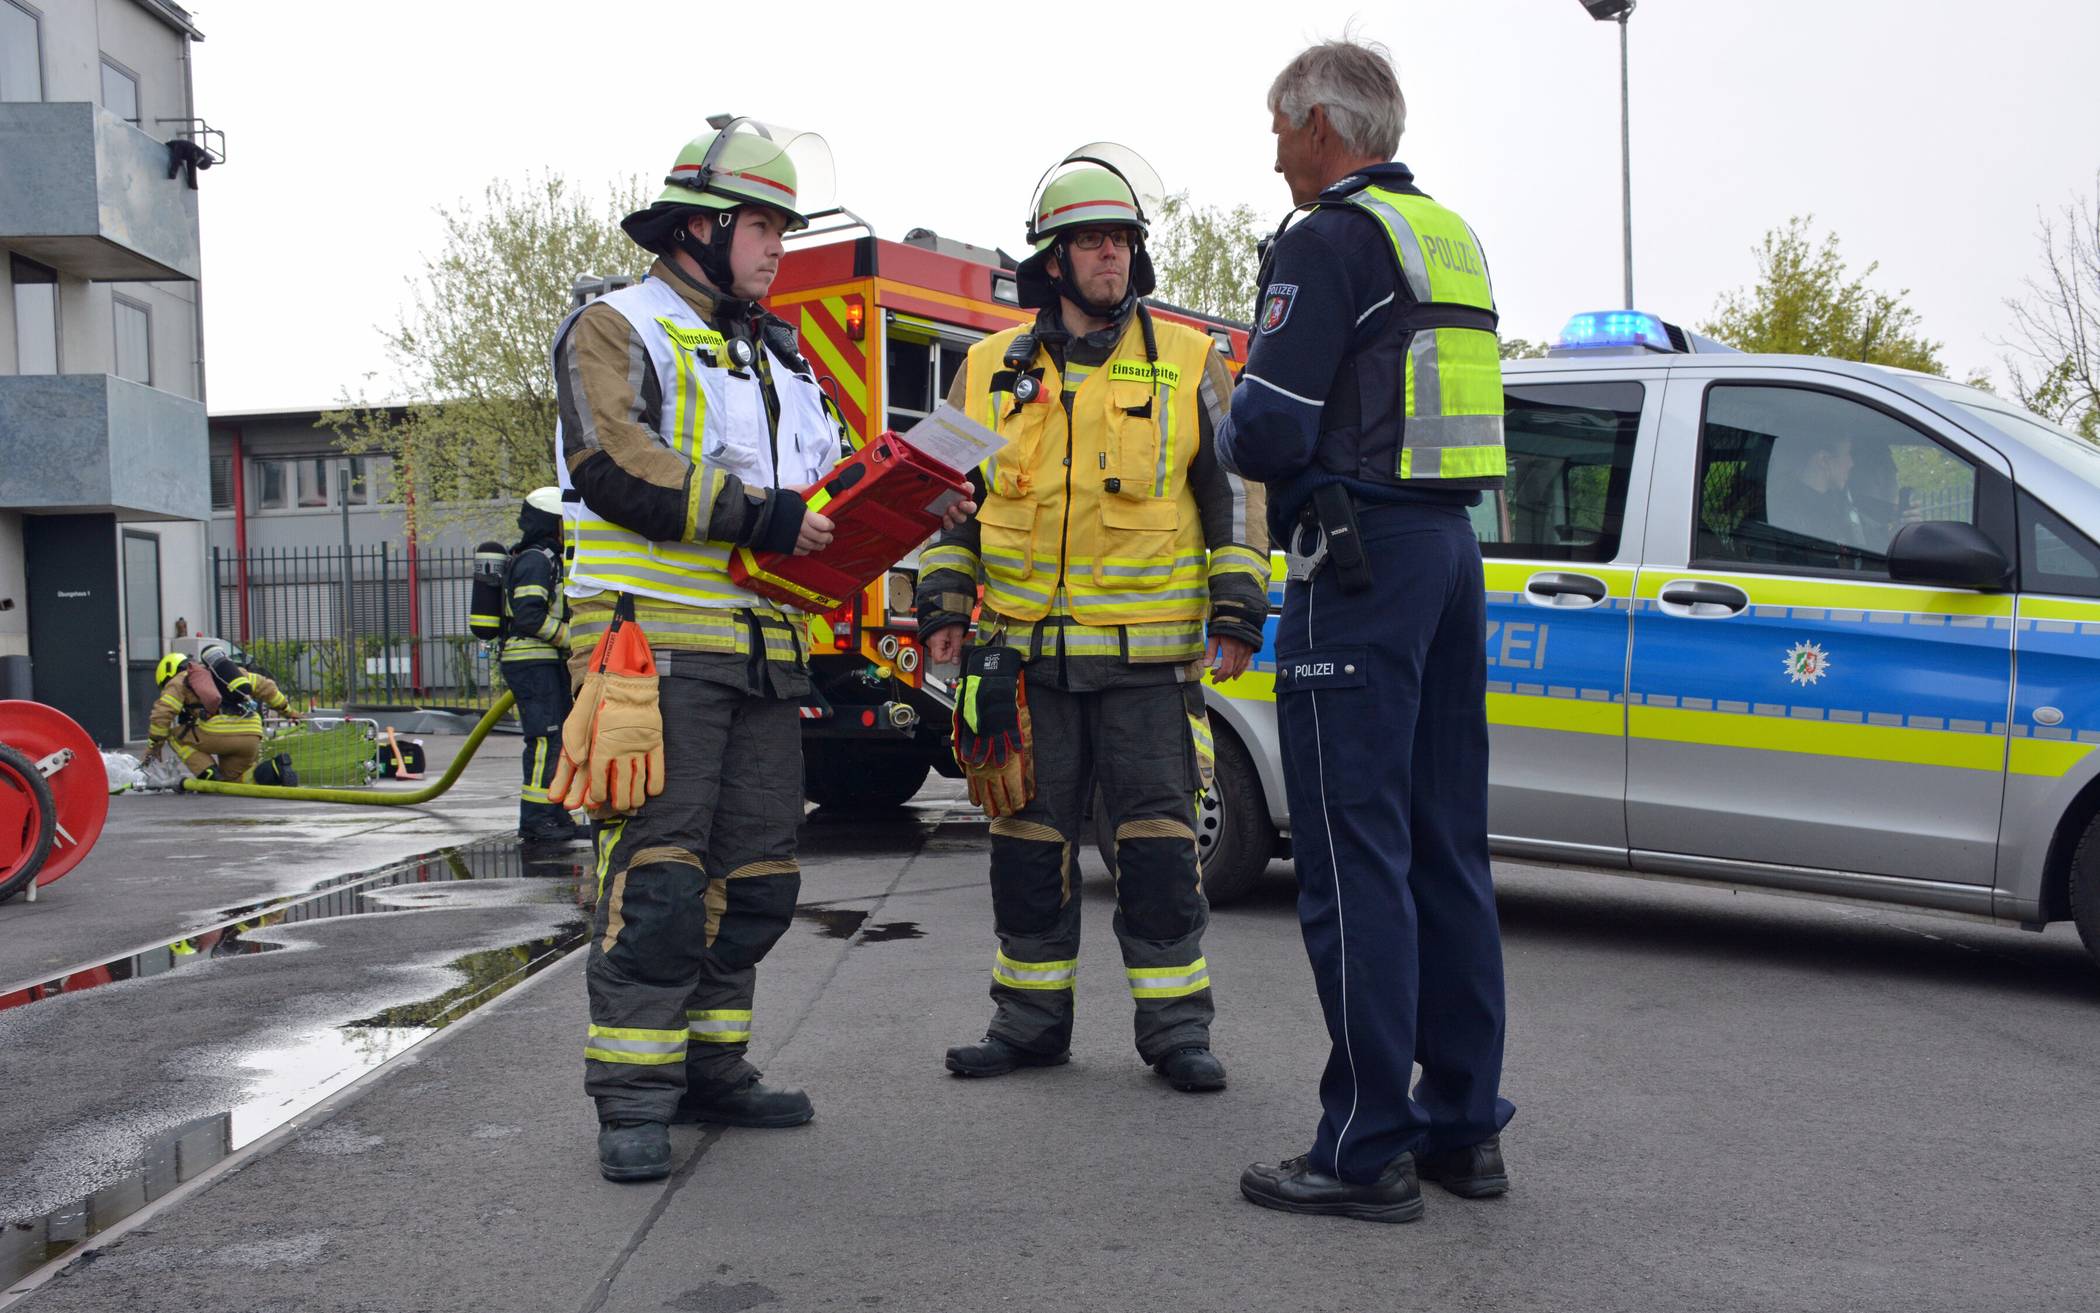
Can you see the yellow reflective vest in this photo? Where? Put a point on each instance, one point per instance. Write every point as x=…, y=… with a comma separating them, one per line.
x=1096, y=508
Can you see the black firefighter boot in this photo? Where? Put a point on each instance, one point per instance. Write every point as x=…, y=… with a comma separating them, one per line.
x=634, y=1151
x=1192, y=1069
x=993, y=1056
x=753, y=1103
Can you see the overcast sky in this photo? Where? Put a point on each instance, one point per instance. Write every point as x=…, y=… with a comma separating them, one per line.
x=1928, y=133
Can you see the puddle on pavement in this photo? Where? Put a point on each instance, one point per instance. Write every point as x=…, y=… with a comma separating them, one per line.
x=846, y=922
x=288, y=1078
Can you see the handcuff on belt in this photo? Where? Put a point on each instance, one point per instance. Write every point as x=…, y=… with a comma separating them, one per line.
x=1326, y=534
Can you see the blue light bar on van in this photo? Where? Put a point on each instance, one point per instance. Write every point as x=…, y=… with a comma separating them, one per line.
x=1618, y=329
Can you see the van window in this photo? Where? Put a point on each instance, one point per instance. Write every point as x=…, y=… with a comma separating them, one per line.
x=2054, y=557
x=1793, y=478
x=1570, y=458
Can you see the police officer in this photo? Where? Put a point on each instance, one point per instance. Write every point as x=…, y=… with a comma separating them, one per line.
x=1109, y=535
x=210, y=711
x=689, y=425
x=1371, y=406
x=534, y=648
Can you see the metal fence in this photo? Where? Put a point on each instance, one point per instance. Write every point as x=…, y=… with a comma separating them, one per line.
x=370, y=626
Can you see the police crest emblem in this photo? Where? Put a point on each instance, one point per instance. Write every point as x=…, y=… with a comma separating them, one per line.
x=1276, y=305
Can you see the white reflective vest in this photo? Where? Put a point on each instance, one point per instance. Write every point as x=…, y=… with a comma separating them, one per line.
x=715, y=416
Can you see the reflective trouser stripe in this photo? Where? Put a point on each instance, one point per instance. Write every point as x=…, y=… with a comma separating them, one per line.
x=720, y=1026
x=1169, y=982
x=1034, y=975
x=534, y=790
x=646, y=1048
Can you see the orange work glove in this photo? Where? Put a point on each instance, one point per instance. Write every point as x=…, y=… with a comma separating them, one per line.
x=994, y=736
x=612, y=744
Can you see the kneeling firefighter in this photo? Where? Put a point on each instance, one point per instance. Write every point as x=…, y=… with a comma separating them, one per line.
x=689, y=423
x=1109, y=535
x=210, y=710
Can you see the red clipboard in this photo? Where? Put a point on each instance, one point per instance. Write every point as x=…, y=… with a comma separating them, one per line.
x=886, y=499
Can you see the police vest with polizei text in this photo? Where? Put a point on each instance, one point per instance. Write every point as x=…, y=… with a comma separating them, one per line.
x=1422, y=405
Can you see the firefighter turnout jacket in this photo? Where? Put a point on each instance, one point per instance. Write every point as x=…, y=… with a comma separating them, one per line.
x=535, y=614
x=688, y=425
x=1106, y=527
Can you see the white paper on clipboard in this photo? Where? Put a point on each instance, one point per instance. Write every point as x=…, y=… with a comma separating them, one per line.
x=953, y=439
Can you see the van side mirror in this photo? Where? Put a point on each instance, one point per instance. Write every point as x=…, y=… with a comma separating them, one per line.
x=1948, y=554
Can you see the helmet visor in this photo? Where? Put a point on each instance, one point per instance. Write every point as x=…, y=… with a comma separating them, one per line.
x=767, y=163
x=1143, y=181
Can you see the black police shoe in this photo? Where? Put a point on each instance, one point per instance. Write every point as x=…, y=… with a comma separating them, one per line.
x=634, y=1151
x=1294, y=1187
x=1474, y=1172
x=993, y=1056
x=1192, y=1070
x=754, y=1103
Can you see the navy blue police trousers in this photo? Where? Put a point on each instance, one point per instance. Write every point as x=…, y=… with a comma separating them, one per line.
x=1381, y=705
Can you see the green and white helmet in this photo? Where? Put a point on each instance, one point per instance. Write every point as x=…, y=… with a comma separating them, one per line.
x=740, y=162
x=1100, y=183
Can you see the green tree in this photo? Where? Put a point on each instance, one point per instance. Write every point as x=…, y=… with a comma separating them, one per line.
x=2055, y=360
x=1206, y=258
x=470, y=351
x=1522, y=348
x=1806, y=301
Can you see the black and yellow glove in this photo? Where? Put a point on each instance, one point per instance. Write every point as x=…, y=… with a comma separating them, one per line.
x=994, y=742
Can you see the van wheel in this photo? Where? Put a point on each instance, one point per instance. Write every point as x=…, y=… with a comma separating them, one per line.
x=2085, y=887
x=836, y=775
x=1234, y=840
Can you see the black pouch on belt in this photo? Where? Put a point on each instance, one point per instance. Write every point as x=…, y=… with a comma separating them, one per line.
x=1345, y=546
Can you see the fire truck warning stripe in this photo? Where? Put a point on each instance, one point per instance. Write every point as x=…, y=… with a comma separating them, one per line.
x=850, y=381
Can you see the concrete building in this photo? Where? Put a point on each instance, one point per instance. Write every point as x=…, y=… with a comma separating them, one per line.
x=309, y=543
x=104, y=481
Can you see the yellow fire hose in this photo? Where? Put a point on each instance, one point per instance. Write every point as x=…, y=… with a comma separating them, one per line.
x=360, y=797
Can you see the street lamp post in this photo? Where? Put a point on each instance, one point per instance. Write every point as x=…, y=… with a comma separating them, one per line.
x=1618, y=11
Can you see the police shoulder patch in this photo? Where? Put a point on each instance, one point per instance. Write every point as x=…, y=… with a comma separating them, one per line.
x=1276, y=305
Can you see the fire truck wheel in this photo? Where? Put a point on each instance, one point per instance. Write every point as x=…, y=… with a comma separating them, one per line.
x=1234, y=840
x=28, y=821
x=850, y=779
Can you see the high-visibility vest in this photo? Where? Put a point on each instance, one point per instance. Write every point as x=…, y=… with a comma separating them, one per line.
x=714, y=415
x=1103, y=509
x=1438, y=358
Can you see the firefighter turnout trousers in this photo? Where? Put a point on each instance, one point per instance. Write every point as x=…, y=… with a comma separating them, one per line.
x=542, y=690
x=694, y=889
x=1381, y=706
x=232, y=752
x=1135, y=743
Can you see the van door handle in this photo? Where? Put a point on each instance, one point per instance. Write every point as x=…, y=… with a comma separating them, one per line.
x=1553, y=588
x=1703, y=598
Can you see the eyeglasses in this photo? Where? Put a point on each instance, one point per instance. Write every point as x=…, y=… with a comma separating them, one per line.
x=1091, y=239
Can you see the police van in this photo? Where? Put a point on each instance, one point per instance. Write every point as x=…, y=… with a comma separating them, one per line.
x=1768, y=621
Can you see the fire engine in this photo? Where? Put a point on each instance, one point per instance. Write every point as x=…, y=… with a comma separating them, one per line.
x=886, y=326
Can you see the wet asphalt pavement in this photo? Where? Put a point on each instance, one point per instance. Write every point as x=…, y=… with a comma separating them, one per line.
x=1726, y=1101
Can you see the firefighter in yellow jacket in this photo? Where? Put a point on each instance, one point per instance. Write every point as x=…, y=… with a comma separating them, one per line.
x=210, y=711
x=1109, y=537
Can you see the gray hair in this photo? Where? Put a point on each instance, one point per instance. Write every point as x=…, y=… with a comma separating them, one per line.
x=1354, y=82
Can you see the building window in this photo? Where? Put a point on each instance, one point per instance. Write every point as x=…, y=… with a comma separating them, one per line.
x=120, y=92
x=21, y=53
x=134, y=324
x=222, y=481
x=272, y=478
x=318, y=482
x=36, y=312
